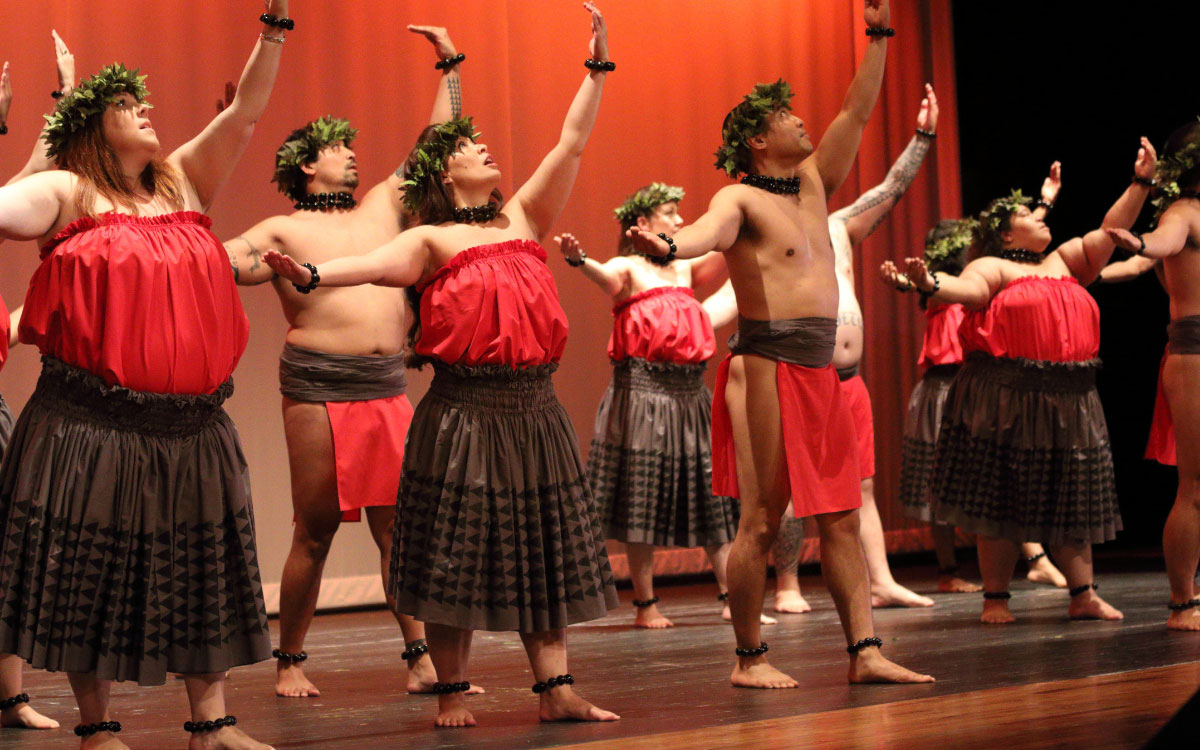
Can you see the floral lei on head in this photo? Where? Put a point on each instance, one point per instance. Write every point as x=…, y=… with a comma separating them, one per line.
x=1168, y=171
x=749, y=119
x=644, y=201
x=992, y=217
x=295, y=153
x=90, y=97
x=952, y=245
x=428, y=160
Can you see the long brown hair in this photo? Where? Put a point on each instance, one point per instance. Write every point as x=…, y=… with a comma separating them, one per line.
x=89, y=156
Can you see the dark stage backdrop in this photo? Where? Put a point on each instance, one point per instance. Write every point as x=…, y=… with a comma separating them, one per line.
x=682, y=65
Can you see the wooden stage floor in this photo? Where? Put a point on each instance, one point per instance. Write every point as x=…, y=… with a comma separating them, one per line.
x=1044, y=682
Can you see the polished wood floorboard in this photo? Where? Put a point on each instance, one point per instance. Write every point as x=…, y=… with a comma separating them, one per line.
x=1029, y=680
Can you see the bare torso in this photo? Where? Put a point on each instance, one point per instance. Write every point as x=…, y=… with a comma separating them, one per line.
x=640, y=274
x=848, y=350
x=1181, y=272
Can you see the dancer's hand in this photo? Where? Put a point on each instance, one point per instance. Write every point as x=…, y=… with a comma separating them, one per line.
x=599, y=44
x=917, y=272
x=893, y=278
x=569, y=246
x=1052, y=184
x=439, y=37
x=277, y=8
x=65, y=62
x=927, y=117
x=287, y=268
x=230, y=92
x=648, y=242
x=877, y=13
x=1147, y=160
x=1124, y=238
x=5, y=94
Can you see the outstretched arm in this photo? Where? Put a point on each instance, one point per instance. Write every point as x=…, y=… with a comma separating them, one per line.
x=399, y=263
x=716, y=230
x=210, y=157
x=543, y=197
x=246, y=253
x=1168, y=239
x=610, y=277
x=835, y=154
x=974, y=287
x=1126, y=270
x=865, y=214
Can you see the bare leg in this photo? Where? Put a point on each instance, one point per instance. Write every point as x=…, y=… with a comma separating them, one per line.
x=91, y=696
x=206, y=695
x=21, y=715
x=786, y=552
x=720, y=556
x=1077, y=564
x=548, y=657
x=948, y=580
x=997, y=559
x=1041, y=570
x=451, y=650
x=641, y=569
x=885, y=592
x=845, y=571
x=1181, y=536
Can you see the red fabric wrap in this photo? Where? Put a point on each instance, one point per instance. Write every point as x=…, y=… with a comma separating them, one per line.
x=368, y=450
x=5, y=330
x=663, y=324
x=1161, y=445
x=941, y=344
x=145, y=302
x=1036, y=318
x=493, y=304
x=859, y=401
x=819, y=441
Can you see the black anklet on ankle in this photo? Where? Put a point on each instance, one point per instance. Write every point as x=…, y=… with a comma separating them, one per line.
x=762, y=649
x=412, y=652
x=997, y=595
x=1170, y=605
x=865, y=643
x=1083, y=589
x=646, y=603
x=443, y=688
x=723, y=596
x=553, y=682
x=293, y=658
x=16, y=700
x=209, y=726
x=87, y=730
x=949, y=570
x=1034, y=558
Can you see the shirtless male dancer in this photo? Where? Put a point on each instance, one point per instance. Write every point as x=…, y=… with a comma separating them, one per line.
x=342, y=372
x=778, y=408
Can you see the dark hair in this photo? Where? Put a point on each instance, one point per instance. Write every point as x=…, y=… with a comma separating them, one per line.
x=993, y=221
x=952, y=264
x=438, y=207
x=1180, y=139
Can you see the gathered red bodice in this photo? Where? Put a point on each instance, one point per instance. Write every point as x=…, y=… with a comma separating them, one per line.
x=1051, y=320
x=941, y=345
x=662, y=324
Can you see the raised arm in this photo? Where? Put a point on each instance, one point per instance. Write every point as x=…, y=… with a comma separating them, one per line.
x=716, y=230
x=974, y=287
x=246, y=252
x=865, y=214
x=209, y=159
x=1050, y=189
x=39, y=160
x=399, y=263
x=611, y=277
x=835, y=154
x=544, y=195
x=29, y=208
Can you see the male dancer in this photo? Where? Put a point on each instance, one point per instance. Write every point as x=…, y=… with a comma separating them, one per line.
x=341, y=372
x=781, y=427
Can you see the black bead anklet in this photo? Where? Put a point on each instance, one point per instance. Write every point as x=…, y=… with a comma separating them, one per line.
x=1170, y=605
x=1083, y=589
x=996, y=595
x=865, y=643
x=445, y=688
x=413, y=652
x=1034, y=558
x=723, y=596
x=553, y=682
x=293, y=658
x=16, y=700
x=194, y=727
x=606, y=66
x=279, y=23
x=646, y=603
x=449, y=62
x=747, y=652
x=87, y=730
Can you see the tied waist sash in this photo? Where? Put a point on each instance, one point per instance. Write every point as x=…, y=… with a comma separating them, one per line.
x=1183, y=335
x=808, y=342
x=308, y=375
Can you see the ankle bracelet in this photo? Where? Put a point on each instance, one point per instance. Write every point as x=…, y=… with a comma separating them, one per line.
x=723, y=596
x=1034, y=558
x=1170, y=605
x=865, y=643
x=646, y=603
x=415, y=650
x=16, y=700
x=748, y=652
x=1083, y=589
x=87, y=730
x=445, y=688
x=997, y=595
x=194, y=727
x=553, y=682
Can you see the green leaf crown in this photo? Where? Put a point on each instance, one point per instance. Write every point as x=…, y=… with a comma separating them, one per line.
x=428, y=160
x=749, y=119
x=644, y=201
x=92, y=96
x=992, y=217
x=951, y=245
x=304, y=147
x=1170, y=169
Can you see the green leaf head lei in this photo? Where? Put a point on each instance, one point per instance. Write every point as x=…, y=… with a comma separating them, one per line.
x=947, y=244
x=1170, y=170
x=302, y=147
x=428, y=159
x=91, y=97
x=645, y=200
x=747, y=120
x=994, y=217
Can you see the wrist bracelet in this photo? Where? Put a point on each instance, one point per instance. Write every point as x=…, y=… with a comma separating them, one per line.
x=3, y=128
x=56, y=94
x=1042, y=202
x=577, y=263
x=606, y=66
x=880, y=31
x=279, y=23
x=926, y=133
x=670, y=256
x=312, y=283
x=449, y=62
x=937, y=284
x=1140, y=239
x=1149, y=182
x=272, y=39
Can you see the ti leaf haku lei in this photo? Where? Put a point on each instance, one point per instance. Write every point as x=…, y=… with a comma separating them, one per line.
x=1168, y=171
x=749, y=119
x=951, y=245
x=429, y=160
x=644, y=201
x=992, y=217
x=296, y=152
x=92, y=96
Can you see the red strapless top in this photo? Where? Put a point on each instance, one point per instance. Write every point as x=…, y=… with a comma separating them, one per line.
x=663, y=324
x=493, y=304
x=146, y=302
x=942, y=346
x=1053, y=320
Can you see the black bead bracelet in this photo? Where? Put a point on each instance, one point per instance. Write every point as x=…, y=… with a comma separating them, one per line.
x=56, y=94
x=577, y=263
x=553, y=682
x=279, y=23
x=1149, y=182
x=748, y=652
x=880, y=31
x=3, y=129
x=864, y=643
x=926, y=133
x=449, y=62
x=311, y=285
x=194, y=727
x=605, y=66
x=670, y=256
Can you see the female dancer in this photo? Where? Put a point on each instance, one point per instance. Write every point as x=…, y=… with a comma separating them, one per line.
x=495, y=526
x=1023, y=453
x=126, y=532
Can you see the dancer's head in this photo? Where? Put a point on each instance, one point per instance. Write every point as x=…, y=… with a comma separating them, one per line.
x=102, y=133
x=1179, y=166
x=948, y=244
x=653, y=208
x=762, y=129
x=1007, y=223
x=317, y=158
x=448, y=169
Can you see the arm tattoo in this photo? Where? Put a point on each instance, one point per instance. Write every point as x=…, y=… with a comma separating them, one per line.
x=233, y=264
x=255, y=256
x=899, y=177
x=455, y=97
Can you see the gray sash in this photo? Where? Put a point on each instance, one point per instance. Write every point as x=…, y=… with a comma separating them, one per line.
x=1184, y=335
x=307, y=375
x=808, y=342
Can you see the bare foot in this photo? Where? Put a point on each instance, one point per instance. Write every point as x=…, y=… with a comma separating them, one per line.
x=650, y=617
x=996, y=612
x=727, y=616
x=562, y=704
x=956, y=585
x=895, y=595
x=1090, y=606
x=422, y=677
x=1043, y=571
x=791, y=603
x=290, y=681
x=102, y=741
x=1188, y=619
x=226, y=738
x=755, y=672
x=452, y=712
x=22, y=716
x=869, y=665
